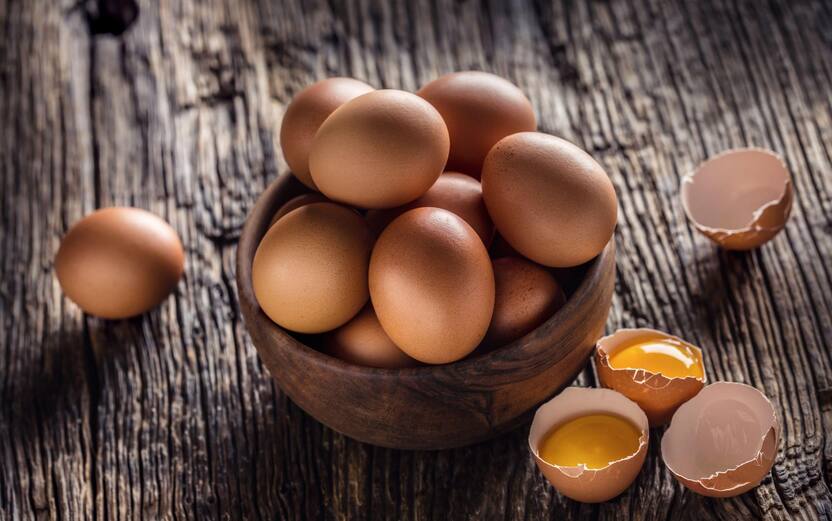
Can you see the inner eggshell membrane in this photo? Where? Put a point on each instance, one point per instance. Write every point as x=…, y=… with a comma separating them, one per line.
x=723, y=441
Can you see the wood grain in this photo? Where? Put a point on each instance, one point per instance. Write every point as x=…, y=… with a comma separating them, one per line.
x=172, y=415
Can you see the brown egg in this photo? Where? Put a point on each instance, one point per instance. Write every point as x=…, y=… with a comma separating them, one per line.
x=380, y=150
x=119, y=262
x=304, y=115
x=479, y=109
x=432, y=285
x=740, y=199
x=549, y=199
x=362, y=341
x=310, y=270
x=455, y=192
x=297, y=202
x=526, y=296
x=723, y=441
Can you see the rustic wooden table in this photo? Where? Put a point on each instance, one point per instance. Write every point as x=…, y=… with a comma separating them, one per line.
x=172, y=415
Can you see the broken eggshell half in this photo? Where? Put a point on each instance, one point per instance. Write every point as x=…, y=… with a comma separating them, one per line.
x=658, y=395
x=581, y=483
x=723, y=441
x=740, y=198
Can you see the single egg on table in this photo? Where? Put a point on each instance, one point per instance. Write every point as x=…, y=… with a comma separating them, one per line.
x=380, y=150
x=432, y=285
x=455, y=192
x=119, y=262
x=304, y=115
x=526, y=295
x=550, y=200
x=723, y=441
x=362, y=341
x=309, y=272
x=656, y=370
x=590, y=444
x=297, y=202
x=479, y=109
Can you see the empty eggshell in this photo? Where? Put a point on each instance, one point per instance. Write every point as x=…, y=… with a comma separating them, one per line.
x=119, y=262
x=432, y=285
x=297, y=202
x=658, y=395
x=526, y=295
x=581, y=483
x=362, y=341
x=740, y=199
x=549, y=199
x=380, y=150
x=309, y=272
x=479, y=109
x=455, y=192
x=723, y=441
x=304, y=115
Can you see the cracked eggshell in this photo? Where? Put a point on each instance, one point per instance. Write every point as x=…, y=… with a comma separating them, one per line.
x=658, y=395
x=580, y=483
x=722, y=442
x=740, y=198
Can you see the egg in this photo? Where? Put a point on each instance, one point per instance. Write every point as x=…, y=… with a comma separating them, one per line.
x=666, y=372
x=362, y=341
x=304, y=115
x=297, y=202
x=380, y=150
x=579, y=482
x=549, y=199
x=309, y=272
x=119, y=262
x=455, y=192
x=739, y=199
x=723, y=441
x=526, y=295
x=432, y=285
x=479, y=109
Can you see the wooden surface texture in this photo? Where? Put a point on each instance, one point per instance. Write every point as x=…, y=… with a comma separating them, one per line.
x=173, y=416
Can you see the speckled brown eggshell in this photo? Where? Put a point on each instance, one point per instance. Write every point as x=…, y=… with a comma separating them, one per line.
x=297, y=202
x=304, y=115
x=310, y=270
x=549, y=199
x=362, y=341
x=380, y=150
x=479, y=109
x=455, y=192
x=119, y=262
x=432, y=285
x=526, y=296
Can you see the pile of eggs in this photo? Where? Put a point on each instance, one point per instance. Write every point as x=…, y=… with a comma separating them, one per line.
x=388, y=256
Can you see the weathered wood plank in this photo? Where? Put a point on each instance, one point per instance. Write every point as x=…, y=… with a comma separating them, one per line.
x=172, y=415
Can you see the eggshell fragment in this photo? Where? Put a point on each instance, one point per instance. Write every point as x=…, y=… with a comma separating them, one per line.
x=479, y=109
x=740, y=198
x=297, y=202
x=362, y=341
x=549, y=199
x=581, y=483
x=380, y=150
x=455, y=192
x=309, y=272
x=304, y=115
x=119, y=262
x=432, y=285
x=723, y=441
x=526, y=296
x=658, y=395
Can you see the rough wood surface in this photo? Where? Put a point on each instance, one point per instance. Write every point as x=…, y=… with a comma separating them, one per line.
x=172, y=415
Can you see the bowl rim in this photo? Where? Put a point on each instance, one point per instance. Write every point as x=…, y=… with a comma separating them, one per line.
x=286, y=187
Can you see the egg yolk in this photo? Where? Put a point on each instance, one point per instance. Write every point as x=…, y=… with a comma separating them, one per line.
x=665, y=356
x=594, y=440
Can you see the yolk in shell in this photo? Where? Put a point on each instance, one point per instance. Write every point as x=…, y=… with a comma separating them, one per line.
x=594, y=440
x=665, y=356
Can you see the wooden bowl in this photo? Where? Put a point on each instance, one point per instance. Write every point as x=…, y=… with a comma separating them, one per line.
x=427, y=407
